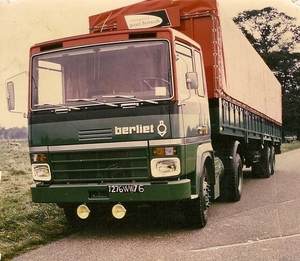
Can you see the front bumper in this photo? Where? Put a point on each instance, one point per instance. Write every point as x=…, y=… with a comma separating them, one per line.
x=106, y=192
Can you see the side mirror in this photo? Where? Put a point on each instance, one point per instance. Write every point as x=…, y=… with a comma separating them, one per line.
x=191, y=80
x=10, y=90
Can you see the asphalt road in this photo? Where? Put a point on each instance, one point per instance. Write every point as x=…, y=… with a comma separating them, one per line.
x=264, y=225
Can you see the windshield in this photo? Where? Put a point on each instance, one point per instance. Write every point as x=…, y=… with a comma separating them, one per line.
x=102, y=75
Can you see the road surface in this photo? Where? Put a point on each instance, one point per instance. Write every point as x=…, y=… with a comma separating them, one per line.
x=264, y=225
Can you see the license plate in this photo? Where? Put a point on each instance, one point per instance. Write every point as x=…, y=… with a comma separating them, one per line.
x=126, y=188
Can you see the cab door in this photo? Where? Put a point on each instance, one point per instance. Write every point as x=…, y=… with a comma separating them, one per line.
x=193, y=102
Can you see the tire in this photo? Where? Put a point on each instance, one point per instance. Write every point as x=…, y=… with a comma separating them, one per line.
x=265, y=167
x=255, y=169
x=266, y=163
x=196, y=213
x=272, y=160
x=232, y=184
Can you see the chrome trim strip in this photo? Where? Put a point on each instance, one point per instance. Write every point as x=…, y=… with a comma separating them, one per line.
x=38, y=149
x=129, y=144
x=166, y=142
x=202, y=138
x=120, y=145
x=180, y=141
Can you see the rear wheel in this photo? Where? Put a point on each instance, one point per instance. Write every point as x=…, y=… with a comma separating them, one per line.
x=272, y=160
x=266, y=162
x=265, y=167
x=197, y=209
x=231, y=185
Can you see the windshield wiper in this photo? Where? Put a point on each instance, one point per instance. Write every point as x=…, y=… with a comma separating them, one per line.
x=57, y=106
x=130, y=97
x=94, y=101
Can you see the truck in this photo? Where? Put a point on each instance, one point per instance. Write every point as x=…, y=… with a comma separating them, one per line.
x=162, y=103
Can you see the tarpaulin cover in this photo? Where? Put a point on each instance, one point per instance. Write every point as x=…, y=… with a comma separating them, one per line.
x=234, y=70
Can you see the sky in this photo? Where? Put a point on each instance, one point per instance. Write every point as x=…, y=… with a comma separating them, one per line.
x=26, y=22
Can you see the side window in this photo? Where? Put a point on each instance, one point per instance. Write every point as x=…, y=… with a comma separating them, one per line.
x=199, y=70
x=184, y=64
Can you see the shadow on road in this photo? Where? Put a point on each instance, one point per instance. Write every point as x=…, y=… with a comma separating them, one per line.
x=145, y=220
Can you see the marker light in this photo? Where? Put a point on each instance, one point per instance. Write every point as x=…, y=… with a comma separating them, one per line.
x=202, y=130
x=38, y=157
x=165, y=151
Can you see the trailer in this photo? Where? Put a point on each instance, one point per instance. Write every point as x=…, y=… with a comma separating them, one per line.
x=162, y=102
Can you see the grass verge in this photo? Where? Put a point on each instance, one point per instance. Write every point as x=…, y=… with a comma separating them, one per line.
x=285, y=147
x=24, y=225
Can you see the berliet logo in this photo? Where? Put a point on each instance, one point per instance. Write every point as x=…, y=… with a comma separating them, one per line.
x=142, y=129
x=161, y=128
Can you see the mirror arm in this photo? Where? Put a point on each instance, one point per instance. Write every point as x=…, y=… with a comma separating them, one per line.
x=14, y=76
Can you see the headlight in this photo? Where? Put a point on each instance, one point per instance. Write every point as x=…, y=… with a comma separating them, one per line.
x=165, y=167
x=41, y=172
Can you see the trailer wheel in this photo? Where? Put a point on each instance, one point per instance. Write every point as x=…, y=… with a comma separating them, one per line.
x=197, y=209
x=265, y=167
x=272, y=160
x=231, y=186
x=266, y=163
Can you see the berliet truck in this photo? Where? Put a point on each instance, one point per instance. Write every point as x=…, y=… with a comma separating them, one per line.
x=162, y=102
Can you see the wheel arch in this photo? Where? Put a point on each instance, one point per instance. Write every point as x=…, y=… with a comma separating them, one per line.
x=237, y=149
x=228, y=154
x=204, y=157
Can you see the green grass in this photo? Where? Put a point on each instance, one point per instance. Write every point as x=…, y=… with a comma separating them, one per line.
x=285, y=147
x=24, y=225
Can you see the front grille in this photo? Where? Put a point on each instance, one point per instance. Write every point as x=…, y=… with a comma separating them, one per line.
x=97, y=166
x=97, y=134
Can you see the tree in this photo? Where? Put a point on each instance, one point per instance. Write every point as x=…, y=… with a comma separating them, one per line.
x=291, y=112
x=269, y=30
x=286, y=68
x=13, y=133
x=274, y=36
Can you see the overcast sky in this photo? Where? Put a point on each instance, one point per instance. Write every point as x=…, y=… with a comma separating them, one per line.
x=26, y=22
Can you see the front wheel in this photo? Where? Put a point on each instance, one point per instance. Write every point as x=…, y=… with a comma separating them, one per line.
x=197, y=209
